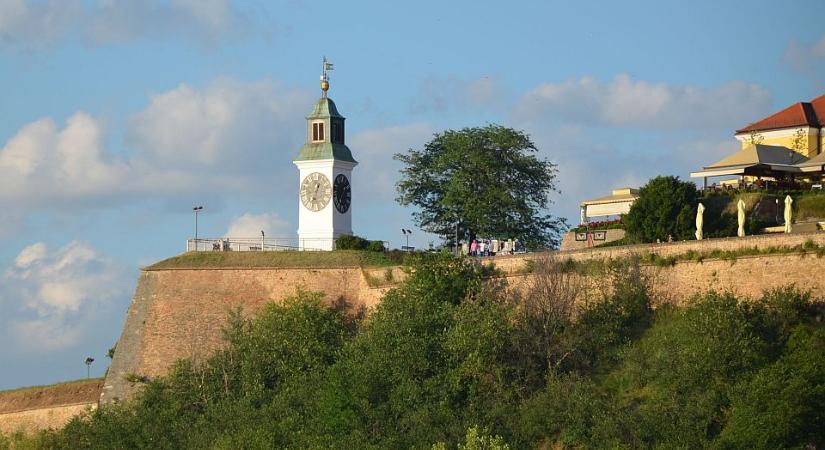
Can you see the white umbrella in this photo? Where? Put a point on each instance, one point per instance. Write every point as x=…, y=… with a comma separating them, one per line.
x=788, y=213
x=699, y=221
x=741, y=216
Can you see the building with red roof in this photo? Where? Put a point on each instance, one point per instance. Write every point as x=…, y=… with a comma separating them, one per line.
x=798, y=127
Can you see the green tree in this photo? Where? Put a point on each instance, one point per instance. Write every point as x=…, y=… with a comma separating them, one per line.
x=486, y=180
x=665, y=207
x=783, y=406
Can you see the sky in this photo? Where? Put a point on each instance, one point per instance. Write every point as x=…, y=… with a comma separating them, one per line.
x=118, y=116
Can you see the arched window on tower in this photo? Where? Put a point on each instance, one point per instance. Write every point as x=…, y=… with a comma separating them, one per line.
x=317, y=131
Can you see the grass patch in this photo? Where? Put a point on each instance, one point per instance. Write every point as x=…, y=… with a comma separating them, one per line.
x=291, y=259
x=48, y=386
x=810, y=206
x=616, y=243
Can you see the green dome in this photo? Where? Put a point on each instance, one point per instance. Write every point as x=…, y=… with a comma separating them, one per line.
x=324, y=108
x=325, y=150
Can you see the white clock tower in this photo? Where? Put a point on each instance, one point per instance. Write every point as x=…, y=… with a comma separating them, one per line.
x=325, y=165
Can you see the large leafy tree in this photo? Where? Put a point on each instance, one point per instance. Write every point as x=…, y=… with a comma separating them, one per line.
x=486, y=180
x=666, y=207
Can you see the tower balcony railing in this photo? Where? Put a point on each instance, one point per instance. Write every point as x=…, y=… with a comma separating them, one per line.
x=258, y=244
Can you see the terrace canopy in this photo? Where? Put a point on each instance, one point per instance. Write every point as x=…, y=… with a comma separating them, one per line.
x=612, y=205
x=813, y=165
x=755, y=160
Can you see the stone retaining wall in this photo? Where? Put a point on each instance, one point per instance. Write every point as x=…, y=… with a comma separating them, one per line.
x=31, y=420
x=180, y=313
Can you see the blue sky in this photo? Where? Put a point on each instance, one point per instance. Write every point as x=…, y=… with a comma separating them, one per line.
x=116, y=117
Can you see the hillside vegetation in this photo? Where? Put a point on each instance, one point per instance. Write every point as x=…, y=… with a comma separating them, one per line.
x=448, y=359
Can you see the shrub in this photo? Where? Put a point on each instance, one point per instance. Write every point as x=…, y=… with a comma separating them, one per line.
x=351, y=242
x=783, y=406
x=665, y=207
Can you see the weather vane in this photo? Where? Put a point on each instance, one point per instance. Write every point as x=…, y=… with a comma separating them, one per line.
x=324, y=76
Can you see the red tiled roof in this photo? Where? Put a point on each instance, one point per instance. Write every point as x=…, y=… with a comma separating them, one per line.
x=810, y=114
x=818, y=104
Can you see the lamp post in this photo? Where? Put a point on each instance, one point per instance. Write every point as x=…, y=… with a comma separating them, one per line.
x=88, y=361
x=196, y=209
x=776, y=215
x=406, y=234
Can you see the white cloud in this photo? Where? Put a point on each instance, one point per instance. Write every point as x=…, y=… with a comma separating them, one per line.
x=228, y=123
x=228, y=137
x=250, y=225
x=30, y=255
x=32, y=24
x=624, y=102
x=42, y=161
x=50, y=299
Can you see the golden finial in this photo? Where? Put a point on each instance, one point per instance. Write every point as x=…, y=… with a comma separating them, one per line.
x=324, y=76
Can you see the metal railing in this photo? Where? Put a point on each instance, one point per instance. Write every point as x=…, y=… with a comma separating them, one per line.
x=258, y=244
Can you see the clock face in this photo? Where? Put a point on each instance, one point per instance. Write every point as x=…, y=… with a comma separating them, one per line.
x=315, y=191
x=342, y=193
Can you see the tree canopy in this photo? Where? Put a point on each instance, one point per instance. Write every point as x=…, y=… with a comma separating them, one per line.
x=487, y=180
x=666, y=207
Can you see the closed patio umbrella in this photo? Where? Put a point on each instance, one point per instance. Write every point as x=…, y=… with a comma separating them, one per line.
x=699, y=221
x=740, y=206
x=788, y=213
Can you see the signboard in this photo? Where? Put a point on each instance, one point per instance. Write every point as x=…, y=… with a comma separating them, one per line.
x=599, y=235
x=581, y=236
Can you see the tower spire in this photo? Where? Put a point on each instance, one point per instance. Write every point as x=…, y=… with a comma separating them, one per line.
x=327, y=66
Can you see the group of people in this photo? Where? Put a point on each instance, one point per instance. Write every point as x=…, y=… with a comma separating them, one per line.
x=490, y=247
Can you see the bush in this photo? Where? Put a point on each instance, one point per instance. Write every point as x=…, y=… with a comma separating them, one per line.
x=352, y=242
x=784, y=404
x=666, y=207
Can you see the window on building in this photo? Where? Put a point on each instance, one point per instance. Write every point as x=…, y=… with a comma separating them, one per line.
x=318, y=131
x=337, y=132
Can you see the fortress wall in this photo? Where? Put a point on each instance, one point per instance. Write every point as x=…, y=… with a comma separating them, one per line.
x=31, y=420
x=30, y=409
x=180, y=313
x=516, y=263
x=746, y=276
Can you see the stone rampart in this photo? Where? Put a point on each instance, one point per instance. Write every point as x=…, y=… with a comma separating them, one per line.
x=36, y=408
x=179, y=313
x=515, y=263
x=32, y=420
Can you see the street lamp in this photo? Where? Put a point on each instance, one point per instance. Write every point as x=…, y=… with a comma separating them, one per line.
x=89, y=360
x=406, y=234
x=196, y=209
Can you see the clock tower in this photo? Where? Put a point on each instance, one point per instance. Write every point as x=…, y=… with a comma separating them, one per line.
x=325, y=165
